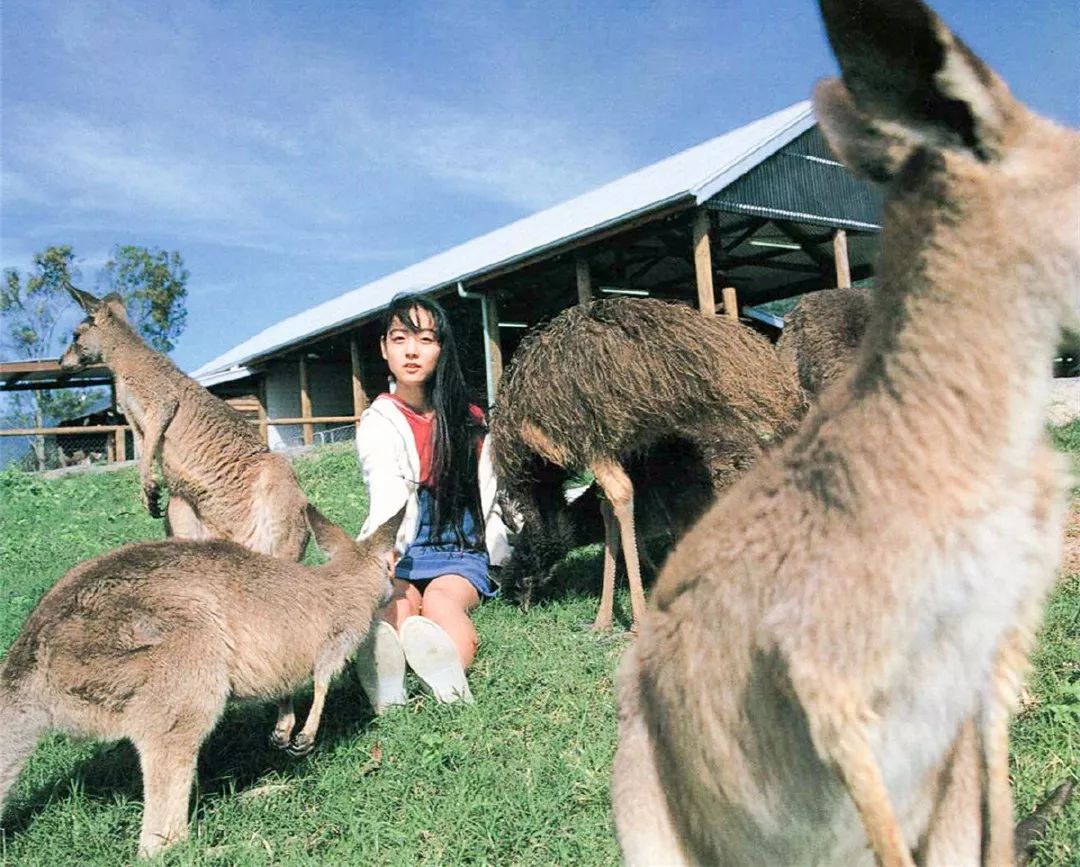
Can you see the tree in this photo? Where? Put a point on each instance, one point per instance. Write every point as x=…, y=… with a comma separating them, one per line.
x=153, y=286
x=36, y=307
x=32, y=309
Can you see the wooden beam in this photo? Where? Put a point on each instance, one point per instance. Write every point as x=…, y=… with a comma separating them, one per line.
x=62, y=431
x=703, y=264
x=744, y=235
x=491, y=336
x=121, y=445
x=807, y=242
x=840, y=255
x=305, y=403
x=359, y=398
x=584, y=280
x=264, y=428
x=731, y=302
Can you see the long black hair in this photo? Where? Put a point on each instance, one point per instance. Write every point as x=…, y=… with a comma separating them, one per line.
x=453, y=483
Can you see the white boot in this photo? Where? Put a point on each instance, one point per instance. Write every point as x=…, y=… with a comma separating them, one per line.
x=380, y=666
x=433, y=656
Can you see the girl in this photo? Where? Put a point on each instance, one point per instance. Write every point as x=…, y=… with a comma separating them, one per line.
x=424, y=447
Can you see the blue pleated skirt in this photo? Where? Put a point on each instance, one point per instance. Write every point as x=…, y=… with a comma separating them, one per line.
x=429, y=556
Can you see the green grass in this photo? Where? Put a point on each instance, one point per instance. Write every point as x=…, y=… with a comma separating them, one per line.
x=521, y=777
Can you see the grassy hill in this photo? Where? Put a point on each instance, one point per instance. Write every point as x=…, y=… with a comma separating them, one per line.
x=521, y=777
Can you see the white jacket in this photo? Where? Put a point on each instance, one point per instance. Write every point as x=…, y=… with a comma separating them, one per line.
x=391, y=468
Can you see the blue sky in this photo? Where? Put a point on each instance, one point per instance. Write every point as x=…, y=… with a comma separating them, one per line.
x=294, y=151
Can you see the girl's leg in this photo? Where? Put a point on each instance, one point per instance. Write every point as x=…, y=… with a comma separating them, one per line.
x=405, y=603
x=380, y=660
x=447, y=601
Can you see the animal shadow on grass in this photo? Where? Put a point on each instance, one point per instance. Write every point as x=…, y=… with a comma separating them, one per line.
x=577, y=576
x=234, y=758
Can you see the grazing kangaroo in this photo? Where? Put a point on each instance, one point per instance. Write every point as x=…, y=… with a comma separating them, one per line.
x=822, y=335
x=223, y=482
x=149, y=641
x=833, y=651
x=606, y=383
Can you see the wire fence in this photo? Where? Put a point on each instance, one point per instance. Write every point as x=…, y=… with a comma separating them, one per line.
x=50, y=451
x=292, y=436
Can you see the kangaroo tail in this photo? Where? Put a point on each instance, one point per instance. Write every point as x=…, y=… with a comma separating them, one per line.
x=22, y=723
x=1032, y=829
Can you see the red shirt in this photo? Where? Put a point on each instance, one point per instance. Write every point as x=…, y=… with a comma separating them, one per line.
x=423, y=431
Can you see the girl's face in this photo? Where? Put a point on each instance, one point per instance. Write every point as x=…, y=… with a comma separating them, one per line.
x=412, y=355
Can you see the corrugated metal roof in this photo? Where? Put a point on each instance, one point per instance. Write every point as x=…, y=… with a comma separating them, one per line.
x=694, y=174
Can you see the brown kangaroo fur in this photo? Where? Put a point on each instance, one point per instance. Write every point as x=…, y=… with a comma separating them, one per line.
x=822, y=335
x=833, y=652
x=223, y=482
x=147, y=642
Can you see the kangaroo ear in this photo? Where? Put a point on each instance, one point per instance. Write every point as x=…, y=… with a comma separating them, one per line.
x=116, y=305
x=871, y=150
x=903, y=65
x=386, y=535
x=85, y=300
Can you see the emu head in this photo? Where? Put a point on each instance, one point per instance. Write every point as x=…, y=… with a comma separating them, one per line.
x=86, y=346
x=965, y=166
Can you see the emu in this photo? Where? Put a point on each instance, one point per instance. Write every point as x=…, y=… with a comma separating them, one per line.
x=832, y=654
x=149, y=641
x=640, y=392
x=223, y=482
x=822, y=334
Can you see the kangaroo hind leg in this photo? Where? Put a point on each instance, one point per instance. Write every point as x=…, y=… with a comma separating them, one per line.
x=168, y=771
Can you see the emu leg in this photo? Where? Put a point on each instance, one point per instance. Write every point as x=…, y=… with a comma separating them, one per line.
x=611, y=555
x=286, y=721
x=619, y=490
x=168, y=770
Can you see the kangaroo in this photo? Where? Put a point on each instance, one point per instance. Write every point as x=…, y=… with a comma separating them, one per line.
x=605, y=383
x=149, y=641
x=822, y=335
x=223, y=482
x=833, y=651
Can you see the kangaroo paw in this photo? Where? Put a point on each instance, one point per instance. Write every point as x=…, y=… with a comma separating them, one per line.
x=151, y=497
x=300, y=746
x=279, y=739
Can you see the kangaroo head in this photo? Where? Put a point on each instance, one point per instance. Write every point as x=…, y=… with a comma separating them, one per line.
x=335, y=542
x=973, y=177
x=86, y=346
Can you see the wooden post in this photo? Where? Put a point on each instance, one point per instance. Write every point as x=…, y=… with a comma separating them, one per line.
x=305, y=402
x=264, y=428
x=584, y=281
x=359, y=398
x=121, y=444
x=110, y=448
x=731, y=302
x=494, y=348
x=843, y=266
x=703, y=264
